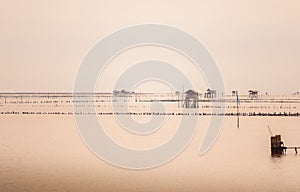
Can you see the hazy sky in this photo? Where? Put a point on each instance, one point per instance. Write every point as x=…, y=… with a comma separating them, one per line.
x=255, y=43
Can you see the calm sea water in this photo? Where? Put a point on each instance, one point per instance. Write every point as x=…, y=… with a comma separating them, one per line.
x=44, y=152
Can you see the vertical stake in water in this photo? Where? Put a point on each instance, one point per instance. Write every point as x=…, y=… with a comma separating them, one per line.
x=178, y=97
x=182, y=96
x=237, y=108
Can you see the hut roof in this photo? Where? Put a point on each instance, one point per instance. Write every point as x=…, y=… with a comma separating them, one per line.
x=191, y=92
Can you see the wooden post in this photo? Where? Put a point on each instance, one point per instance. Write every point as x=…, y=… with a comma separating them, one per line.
x=237, y=109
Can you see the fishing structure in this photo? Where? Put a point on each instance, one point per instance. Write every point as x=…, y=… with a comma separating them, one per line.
x=277, y=145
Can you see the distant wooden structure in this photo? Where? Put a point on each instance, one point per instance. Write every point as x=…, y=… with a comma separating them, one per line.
x=210, y=94
x=253, y=94
x=122, y=93
x=191, y=99
x=277, y=146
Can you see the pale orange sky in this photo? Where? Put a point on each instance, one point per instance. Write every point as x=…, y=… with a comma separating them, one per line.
x=256, y=44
